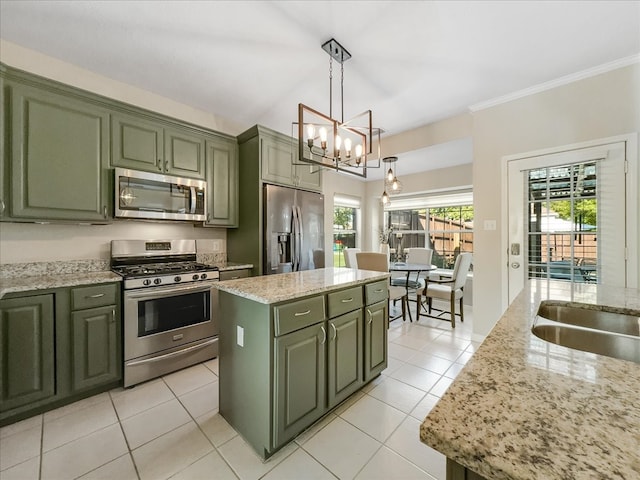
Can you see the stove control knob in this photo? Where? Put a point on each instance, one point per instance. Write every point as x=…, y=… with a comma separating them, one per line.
x=195, y=277
x=203, y=276
x=146, y=282
x=157, y=281
x=177, y=279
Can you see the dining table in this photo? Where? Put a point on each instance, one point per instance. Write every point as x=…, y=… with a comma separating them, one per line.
x=409, y=268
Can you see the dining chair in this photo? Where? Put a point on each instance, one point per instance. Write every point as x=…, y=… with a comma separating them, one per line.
x=378, y=263
x=350, y=260
x=451, y=289
x=414, y=255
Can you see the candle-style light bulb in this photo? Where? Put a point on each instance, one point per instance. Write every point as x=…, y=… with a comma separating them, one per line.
x=390, y=175
x=385, y=198
x=311, y=132
x=359, y=150
x=347, y=147
x=395, y=185
x=323, y=138
x=338, y=145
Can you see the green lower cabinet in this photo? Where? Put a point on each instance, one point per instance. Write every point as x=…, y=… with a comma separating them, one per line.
x=344, y=359
x=375, y=339
x=299, y=374
x=27, y=360
x=95, y=347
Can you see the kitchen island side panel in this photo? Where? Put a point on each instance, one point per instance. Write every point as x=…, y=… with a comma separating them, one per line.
x=246, y=370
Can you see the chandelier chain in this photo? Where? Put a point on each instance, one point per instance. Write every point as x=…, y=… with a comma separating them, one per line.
x=330, y=86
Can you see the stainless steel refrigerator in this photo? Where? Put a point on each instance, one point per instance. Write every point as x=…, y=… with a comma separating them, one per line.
x=293, y=230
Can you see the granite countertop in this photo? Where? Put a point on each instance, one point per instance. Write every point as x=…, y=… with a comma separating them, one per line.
x=286, y=286
x=25, y=277
x=226, y=266
x=524, y=408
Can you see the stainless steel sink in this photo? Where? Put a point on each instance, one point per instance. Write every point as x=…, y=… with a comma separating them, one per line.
x=608, y=331
x=609, y=319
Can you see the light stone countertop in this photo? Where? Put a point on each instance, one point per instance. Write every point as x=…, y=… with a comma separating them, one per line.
x=226, y=266
x=43, y=282
x=524, y=408
x=287, y=286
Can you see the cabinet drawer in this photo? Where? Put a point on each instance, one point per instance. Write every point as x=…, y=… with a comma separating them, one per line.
x=344, y=301
x=95, y=296
x=376, y=292
x=295, y=315
x=233, y=274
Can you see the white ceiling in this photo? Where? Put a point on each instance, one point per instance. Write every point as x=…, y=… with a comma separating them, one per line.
x=414, y=62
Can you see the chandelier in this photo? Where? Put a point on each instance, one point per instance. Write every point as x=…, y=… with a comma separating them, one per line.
x=392, y=185
x=345, y=146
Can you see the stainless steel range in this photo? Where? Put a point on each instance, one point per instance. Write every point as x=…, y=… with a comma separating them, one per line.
x=168, y=308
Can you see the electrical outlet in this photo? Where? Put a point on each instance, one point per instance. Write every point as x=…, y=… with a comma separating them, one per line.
x=240, y=336
x=216, y=245
x=489, y=224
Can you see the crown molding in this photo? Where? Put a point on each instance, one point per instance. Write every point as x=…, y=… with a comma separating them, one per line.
x=574, y=77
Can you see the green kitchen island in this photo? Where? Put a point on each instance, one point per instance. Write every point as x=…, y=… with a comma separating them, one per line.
x=293, y=346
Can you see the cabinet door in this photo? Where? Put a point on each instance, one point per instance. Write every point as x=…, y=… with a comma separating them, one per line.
x=3, y=150
x=344, y=359
x=95, y=346
x=184, y=153
x=375, y=339
x=276, y=158
x=60, y=153
x=136, y=143
x=27, y=366
x=222, y=183
x=308, y=177
x=299, y=374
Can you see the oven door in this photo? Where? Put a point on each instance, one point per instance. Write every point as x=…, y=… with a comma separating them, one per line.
x=161, y=318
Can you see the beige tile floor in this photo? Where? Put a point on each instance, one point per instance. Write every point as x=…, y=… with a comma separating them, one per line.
x=170, y=427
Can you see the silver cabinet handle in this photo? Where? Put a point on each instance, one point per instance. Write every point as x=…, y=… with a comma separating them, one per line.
x=324, y=335
x=97, y=295
x=370, y=316
x=335, y=331
x=159, y=164
x=104, y=211
x=300, y=314
x=166, y=165
x=379, y=291
x=2, y=207
x=347, y=300
x=113, y=315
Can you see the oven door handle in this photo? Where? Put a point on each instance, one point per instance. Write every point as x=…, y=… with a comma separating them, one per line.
x=156, y=293
x=173, y=354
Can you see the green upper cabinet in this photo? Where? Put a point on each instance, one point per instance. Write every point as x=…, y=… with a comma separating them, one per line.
x=222, y=182
x=143, y=144
x=184, y=153
x=277, y=157
x=27, y=362
x=59, y=157
x=136, y=144
x=3, y=149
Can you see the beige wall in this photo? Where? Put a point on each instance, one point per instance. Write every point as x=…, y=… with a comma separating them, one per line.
x=598, y=107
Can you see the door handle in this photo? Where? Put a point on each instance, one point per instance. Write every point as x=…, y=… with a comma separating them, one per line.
x=335, y=332
x=324, y=335
x=515, y=265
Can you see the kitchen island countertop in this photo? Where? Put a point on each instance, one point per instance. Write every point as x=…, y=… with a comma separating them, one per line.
x=286, y=286
x=524, y=408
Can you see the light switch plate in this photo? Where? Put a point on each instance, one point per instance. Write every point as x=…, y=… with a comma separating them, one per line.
x=489, y=224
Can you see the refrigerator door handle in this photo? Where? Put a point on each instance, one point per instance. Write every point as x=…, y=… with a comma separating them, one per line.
x=299, y=237
x=294, y=240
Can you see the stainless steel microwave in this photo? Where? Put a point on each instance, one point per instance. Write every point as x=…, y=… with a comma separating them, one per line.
x=159, y=197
